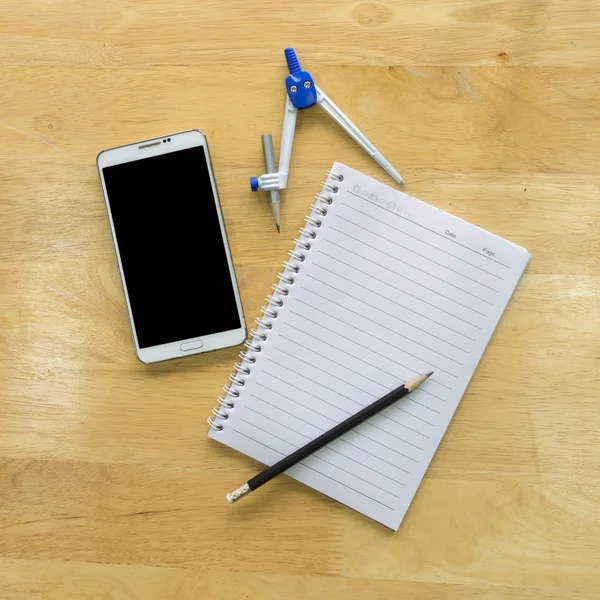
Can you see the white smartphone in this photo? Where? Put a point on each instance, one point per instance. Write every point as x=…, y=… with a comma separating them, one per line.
x=171, y=245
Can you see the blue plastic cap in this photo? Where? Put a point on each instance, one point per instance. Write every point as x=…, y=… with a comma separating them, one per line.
x=299, y=84
x=301, y=89
x=254, y=184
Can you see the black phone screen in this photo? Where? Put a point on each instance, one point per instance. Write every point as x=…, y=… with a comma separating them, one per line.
x=171, y=247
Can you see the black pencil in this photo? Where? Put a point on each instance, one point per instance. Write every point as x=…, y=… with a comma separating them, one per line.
x=295, y=457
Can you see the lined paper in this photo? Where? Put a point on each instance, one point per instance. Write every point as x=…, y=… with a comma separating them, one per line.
x=391, y=288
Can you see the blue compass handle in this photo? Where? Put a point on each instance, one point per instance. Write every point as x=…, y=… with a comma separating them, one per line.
x=299, y=84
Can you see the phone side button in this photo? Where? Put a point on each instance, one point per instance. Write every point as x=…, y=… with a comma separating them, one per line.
x=192, y=345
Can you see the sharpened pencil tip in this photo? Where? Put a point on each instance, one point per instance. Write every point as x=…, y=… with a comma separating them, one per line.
x=278, y=228
x=413, y=384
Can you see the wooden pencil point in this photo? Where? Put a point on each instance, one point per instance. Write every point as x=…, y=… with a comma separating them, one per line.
x=413, y=384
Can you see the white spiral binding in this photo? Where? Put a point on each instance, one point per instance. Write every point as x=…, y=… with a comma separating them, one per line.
x=269, y=312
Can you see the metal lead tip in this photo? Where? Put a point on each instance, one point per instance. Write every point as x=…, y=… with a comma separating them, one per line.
x=239, y=493
x=278, y=228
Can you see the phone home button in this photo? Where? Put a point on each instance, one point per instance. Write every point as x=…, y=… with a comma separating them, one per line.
x=192, y=345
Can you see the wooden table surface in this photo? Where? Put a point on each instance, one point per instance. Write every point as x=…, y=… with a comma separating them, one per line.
x=109, y=487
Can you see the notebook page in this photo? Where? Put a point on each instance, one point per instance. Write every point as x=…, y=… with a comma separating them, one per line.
x=391, y=288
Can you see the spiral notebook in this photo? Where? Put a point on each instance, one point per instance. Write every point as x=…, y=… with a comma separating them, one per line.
x=379, y=288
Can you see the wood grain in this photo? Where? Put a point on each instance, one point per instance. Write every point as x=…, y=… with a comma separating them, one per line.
x=109, y=487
